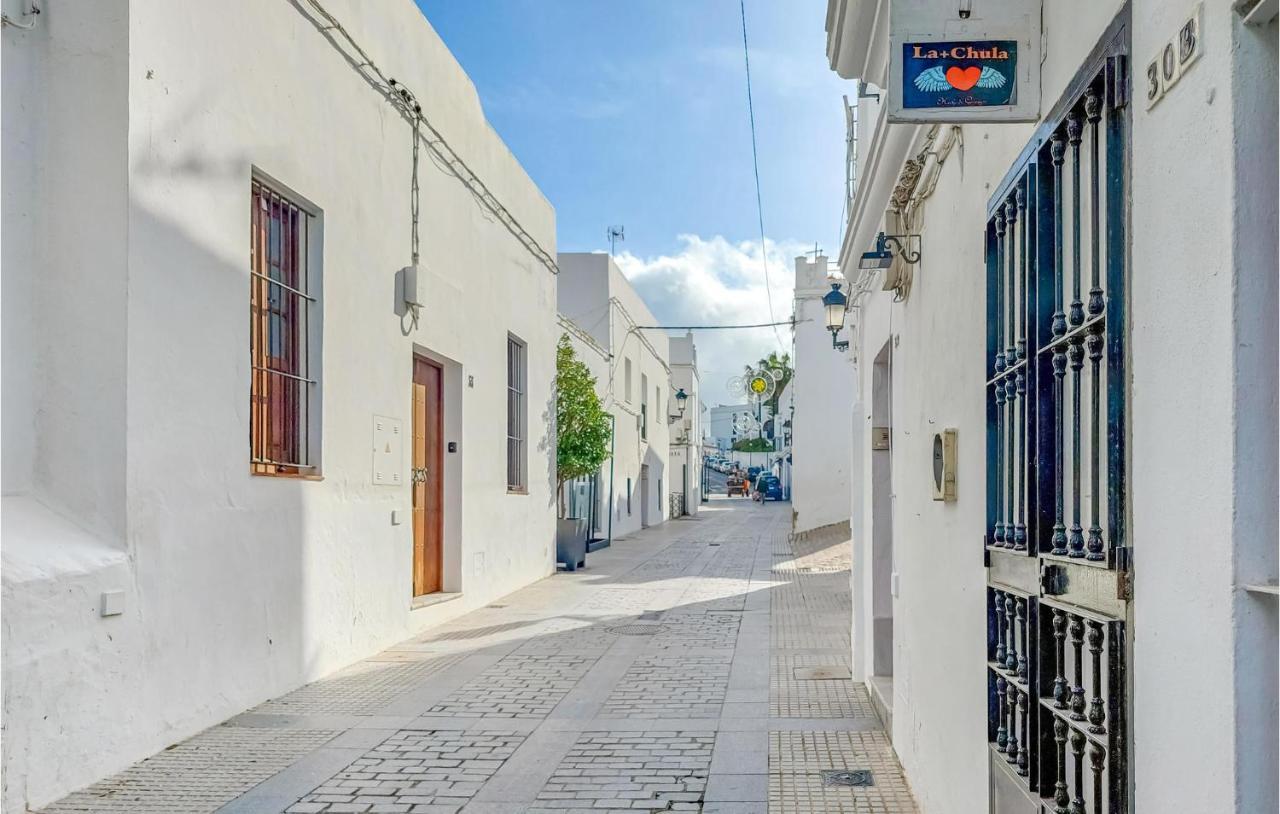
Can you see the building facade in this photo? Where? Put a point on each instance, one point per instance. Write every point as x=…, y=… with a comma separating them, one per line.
x=687, y=428
x=637, y=391
x=242, y=448
x=1065, y=446
x=821, y=394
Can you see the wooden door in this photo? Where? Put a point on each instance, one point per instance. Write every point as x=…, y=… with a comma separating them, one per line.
x=428, y=472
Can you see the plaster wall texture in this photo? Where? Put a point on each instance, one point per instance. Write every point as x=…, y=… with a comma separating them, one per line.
x=134, y=130
x=684, y=374
x=823, y=397
x=596, y=296
x=932, y=352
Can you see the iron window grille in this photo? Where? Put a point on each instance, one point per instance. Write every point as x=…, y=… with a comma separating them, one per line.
x=284, y=336
x=1056, y=543
x=517, y=415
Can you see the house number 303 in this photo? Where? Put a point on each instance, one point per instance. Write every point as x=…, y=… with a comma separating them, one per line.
x=1175, y=57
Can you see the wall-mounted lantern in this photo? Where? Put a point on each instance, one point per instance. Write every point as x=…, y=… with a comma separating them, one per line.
x=834, y=301
x=682, y=399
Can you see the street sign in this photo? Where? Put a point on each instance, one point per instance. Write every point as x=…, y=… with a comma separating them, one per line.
x=982, y=65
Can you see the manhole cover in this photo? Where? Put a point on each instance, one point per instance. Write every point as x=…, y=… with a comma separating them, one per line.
x=638, y=630
x=847, y=777
x=822, y=673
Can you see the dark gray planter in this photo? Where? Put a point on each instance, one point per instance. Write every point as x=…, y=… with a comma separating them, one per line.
x=571, y=542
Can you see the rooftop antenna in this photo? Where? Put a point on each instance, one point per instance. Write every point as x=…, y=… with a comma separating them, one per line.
x=815, y=252
x=615, y=233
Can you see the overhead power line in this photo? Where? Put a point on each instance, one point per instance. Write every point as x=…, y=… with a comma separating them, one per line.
x=712, y=327
x=755, y=163
x=395, y=93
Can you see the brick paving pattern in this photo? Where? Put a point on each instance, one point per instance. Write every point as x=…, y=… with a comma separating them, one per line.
x=197, y=775
x=652, y=771
x=414, y=771
x=683, y=686
x=362, y=689
x=526, y=686
x=663, y=677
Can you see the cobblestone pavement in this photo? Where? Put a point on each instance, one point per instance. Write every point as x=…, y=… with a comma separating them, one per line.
x=702, y=666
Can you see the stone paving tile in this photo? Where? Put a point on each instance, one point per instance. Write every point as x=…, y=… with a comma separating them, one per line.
x=791, y=697
x=550, y=700
x=415, y=771
x=679, y=686
x=518, y=686
x=198, y=775
x=797, y=760
x=362, y=689
x=649, y=771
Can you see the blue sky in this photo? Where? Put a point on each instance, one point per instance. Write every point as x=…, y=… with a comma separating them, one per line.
x=635, y=113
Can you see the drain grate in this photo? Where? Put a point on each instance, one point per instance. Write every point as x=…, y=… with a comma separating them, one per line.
x=846, y=777
x=638, y=630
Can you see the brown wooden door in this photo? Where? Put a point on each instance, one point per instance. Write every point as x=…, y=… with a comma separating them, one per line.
x=427, y=481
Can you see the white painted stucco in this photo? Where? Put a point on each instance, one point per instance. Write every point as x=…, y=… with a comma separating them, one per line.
x=130, y=134
x=1202, y=420
x=686, y=432
x=823, y=397
x=596, y=297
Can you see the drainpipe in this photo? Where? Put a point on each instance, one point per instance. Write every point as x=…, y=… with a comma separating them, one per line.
x=613, y=426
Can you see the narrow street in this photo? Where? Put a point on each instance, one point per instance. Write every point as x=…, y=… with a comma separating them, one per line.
x=699, y=666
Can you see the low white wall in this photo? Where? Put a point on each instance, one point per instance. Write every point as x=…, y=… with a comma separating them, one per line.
x=239, y=588
x=823, y=396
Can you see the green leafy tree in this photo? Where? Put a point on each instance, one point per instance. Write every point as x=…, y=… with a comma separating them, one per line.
x=781, y=368
x=583, y=427
x=753, y=445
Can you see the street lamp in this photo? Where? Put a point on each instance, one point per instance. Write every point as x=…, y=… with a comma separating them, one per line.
x=882, y=256
x=835, y=302
x=681, y=399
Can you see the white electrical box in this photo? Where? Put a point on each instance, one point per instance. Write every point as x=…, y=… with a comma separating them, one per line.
x=388, y=451
x=409, y=292
x=112, y=603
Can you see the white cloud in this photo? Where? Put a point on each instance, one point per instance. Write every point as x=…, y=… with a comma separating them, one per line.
x=711, y=281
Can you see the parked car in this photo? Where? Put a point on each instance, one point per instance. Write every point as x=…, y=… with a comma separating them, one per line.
x=768, y=487
x=753, y=472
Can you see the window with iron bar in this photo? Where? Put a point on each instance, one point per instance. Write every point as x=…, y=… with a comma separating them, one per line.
x=284, y=338
x=517, y=419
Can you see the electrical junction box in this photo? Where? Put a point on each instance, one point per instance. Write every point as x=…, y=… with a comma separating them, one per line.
x=388, y=451
x=410, y=278
x=944, y=465
x=879, y=438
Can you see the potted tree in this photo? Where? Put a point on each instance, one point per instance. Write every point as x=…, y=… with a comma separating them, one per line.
x=582, y=445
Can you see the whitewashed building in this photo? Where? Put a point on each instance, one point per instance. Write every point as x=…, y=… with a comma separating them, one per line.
x=1065, y=432
x=234, y=458
x=686, y=426
x=637, y=391
x=820, y=394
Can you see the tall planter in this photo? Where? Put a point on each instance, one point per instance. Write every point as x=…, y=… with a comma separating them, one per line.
x=571, y=542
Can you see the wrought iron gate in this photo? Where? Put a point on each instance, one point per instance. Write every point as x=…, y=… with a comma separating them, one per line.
x=1058, y=615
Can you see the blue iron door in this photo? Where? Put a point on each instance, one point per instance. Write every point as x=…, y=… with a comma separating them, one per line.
x=1056, y=548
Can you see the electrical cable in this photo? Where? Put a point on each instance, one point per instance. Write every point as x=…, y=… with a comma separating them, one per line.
x=713, y=327
x=755, y=163
x=396, y=93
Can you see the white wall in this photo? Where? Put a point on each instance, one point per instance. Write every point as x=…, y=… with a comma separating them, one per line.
x=238, y=588
x=823, y=396
x=934, y=346
x=595, y=295
x=1202, y=353
x=684, y=374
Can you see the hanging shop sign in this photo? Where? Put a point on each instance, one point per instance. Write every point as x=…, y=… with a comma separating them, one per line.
x=980, y=67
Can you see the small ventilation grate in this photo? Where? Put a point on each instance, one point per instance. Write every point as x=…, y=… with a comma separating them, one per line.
x=638, y=630
x=846, y=777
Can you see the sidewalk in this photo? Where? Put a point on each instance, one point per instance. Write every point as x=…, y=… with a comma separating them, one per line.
x=699, y=666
